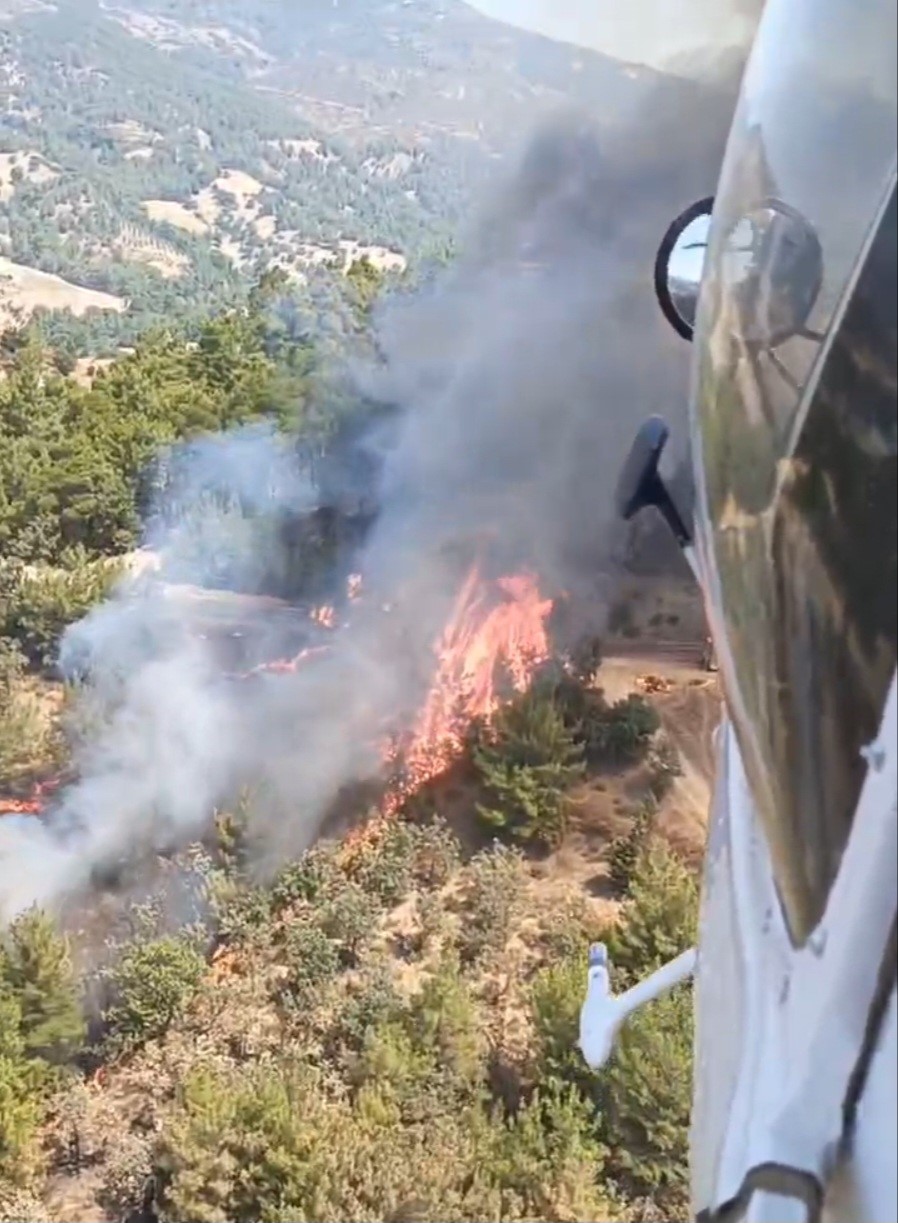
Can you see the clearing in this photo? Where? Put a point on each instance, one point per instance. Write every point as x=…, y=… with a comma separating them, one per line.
x=170, y=212
x=24, y=290
x=137, y=246
x=23, y=166
x=243, y=189
x=233, y=210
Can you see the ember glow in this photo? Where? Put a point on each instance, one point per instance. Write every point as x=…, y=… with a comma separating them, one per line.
x=283, y=666
x=36, y=801
x=324, y=617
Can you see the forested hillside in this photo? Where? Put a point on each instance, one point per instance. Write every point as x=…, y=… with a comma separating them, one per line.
x=342, y=984
x=166, y=155
x=385, y=1026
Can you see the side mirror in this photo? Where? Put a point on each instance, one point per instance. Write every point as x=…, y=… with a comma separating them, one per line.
x=640, y=483
x=769, y=269
x=679, y=265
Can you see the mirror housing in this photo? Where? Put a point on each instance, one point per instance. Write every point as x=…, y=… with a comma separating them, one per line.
x=769, y=269
x=679, y=265
x=640, y=483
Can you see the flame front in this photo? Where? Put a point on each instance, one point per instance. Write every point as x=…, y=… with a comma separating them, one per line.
x=497, y=630
x=485, y=636
x=35, y=803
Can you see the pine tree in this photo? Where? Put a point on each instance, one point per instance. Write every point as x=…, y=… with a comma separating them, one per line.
x=36, y=967
x=528, y=760
x=19, y=1102
x=659, y=914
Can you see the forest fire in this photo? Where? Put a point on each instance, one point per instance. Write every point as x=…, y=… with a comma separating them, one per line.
x=497, y=631
x=35, y=802
x=495, y=636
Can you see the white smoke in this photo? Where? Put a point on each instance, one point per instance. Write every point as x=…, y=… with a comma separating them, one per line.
x=521, y=377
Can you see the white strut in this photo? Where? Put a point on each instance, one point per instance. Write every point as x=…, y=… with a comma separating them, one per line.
x=603, y=1014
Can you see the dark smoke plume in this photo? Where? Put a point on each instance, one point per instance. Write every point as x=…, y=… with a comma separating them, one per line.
x=518, y=381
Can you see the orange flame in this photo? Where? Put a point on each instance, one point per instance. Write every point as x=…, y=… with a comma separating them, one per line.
x=20, y=806
x=33, y=805
x=282, y=666
x=324, y=617
x=482, y=638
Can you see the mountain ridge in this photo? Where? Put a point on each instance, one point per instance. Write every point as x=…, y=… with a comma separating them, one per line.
x=374, y=124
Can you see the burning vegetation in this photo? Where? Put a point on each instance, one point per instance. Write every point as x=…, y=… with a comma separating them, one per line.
x=364, y=995
x=387, y=1033
x=496, y=633
x=426, y=976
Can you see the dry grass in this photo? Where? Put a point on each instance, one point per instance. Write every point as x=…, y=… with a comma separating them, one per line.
x=172, y=213
x=33, y=167
x=24, y=290
x=137, y=246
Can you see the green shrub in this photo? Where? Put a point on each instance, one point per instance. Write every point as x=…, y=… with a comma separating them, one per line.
x=556, y=998
x=266, y=1146
x=645, y=1102
x=444, y=1022
x=308, y=879
x=659, y=917
x=239, y=913
x=551, y=1160
x=244, y=1147
x=386, y=871
x=37, y=971
x=372, y=1003
x=641, y=1100
x=37, y=605
x=312, y=959
x=491, y=899
x=436, y=854
x=232, y=836
x=427, y=1056
x=527, y=762
x=41, y=1028
x=21, y=1107
x=151, y=984
x=392, y=1071
x=626, y=851
x=620, y=733
x=350, y=917
x=645, y=1093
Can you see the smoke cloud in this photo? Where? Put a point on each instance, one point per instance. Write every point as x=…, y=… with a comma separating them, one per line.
x=520, y=376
